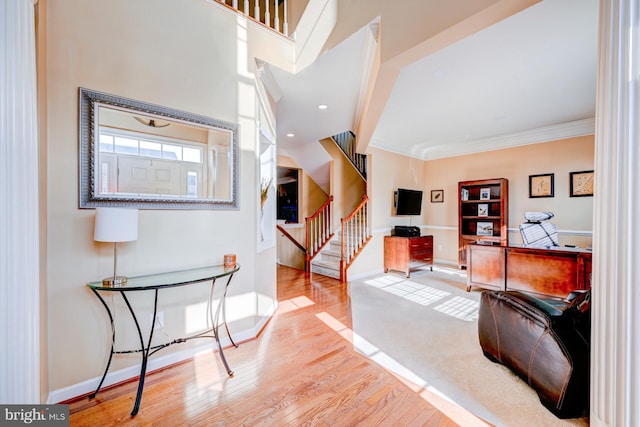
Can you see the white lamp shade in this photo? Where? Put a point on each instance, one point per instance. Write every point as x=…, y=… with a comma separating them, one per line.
x=116, y=225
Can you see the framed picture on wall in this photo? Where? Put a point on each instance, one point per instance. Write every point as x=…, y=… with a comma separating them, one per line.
x=437, y=196
x=541, y=185
x=581, y=184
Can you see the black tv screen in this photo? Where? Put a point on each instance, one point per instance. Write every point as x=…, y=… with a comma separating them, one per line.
x=408, y=202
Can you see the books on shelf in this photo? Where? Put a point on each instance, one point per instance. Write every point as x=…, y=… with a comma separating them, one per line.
x=464, y=194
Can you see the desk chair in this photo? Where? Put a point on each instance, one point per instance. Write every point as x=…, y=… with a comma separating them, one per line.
x=536, y=233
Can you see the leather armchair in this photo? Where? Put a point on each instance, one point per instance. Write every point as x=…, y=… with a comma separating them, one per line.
x=544, y=341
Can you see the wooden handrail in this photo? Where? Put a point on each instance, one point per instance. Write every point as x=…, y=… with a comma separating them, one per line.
x=364, y=201
x=320, y=209
x=291, y=238
x=318, y=231
x=355, y=235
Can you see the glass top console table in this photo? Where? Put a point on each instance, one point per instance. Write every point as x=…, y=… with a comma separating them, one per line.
x=154, y=283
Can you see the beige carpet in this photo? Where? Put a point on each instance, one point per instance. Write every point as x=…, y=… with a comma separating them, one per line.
x=425, y=329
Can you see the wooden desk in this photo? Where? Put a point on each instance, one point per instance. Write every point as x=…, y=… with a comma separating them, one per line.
x=554, y=271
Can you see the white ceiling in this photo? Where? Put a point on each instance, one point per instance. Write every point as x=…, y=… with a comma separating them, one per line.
x=526, y=79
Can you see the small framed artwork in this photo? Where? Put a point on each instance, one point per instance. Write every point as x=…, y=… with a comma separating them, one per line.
x=581, y=184
x=483, y=209
x=484, y=228
x=541, y=185
x=485, y=194
x=437, y=196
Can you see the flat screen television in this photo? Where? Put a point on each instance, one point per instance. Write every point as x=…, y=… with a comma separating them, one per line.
x=408, y=202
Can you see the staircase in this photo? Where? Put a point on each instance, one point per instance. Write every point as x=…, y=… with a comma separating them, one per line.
x=347, y=142
x=327, y=262
x=344, y=246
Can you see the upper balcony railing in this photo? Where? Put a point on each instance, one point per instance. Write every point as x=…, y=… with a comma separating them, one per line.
x=271, y=13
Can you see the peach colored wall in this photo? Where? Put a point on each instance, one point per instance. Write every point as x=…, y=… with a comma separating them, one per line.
x=574, y=215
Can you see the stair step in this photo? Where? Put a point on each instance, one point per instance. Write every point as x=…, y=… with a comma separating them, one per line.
x=330, y=255
x=331, y=269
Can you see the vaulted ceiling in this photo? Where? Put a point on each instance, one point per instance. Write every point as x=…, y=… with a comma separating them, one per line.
x=528, y=78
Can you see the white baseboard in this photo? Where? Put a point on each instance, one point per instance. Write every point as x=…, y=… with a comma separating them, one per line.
x=89, y=386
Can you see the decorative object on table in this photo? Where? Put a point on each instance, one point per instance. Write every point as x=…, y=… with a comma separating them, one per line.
x=541, y=185
x=485, y=194
x=581, y=184
x=437, y=196
x=483, y=209
x=229, y=260
x=484, y=229
x=115, y=225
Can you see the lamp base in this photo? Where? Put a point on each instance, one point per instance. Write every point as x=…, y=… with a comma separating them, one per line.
x=114, y=282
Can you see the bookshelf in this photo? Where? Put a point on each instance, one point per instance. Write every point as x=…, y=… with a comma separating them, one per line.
x=482, y=214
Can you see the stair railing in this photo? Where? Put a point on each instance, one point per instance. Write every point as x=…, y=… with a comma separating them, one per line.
x=355, y=235
x=251, y=9
x=347, y=142
x=319, y=230
x=291, y=238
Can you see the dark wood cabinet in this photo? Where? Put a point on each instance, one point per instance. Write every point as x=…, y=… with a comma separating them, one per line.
x=407, y=253
x=550, y=272
x=483, y=208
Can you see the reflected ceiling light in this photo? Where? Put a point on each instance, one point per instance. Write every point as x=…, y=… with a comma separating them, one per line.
x=291, y=134
x=151, y=122
x=322, y=107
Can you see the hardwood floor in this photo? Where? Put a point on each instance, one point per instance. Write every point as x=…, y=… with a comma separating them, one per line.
x=302, y=370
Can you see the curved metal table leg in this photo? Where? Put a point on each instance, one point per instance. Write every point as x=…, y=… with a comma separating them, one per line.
x=224, y=311
x=144, y=350
x=215, y=322
x=113, y=340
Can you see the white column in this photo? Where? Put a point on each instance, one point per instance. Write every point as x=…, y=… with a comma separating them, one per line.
x=19, y=253
x=615, y=354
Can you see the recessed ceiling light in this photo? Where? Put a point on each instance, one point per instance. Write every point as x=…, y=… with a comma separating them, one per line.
x=322, y=107
x=441, y=73
x=291, y=135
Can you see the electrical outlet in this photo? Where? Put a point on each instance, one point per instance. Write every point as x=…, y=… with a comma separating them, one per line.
x=159, y=319
x=440, y=248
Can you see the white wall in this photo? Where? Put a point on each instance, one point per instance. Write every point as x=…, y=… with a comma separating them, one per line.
x=190, y=55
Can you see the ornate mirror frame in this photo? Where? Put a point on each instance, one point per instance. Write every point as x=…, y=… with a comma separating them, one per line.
x=90, y=103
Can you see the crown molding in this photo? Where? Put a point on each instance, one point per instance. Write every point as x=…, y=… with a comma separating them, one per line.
x=534, y=136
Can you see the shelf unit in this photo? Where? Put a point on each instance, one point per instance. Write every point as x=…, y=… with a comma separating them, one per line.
x=483, y=208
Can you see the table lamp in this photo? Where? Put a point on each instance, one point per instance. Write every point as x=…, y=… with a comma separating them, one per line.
x=116, y=225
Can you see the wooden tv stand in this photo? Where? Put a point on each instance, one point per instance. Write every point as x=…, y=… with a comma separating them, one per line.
x=551, y=272
x=407, y=253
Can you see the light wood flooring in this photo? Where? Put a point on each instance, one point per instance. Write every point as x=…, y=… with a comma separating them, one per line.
x=301, y=371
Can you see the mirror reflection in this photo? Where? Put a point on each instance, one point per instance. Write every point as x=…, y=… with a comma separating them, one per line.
x=150, y=156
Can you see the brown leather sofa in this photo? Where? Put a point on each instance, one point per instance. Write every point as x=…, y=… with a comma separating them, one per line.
x=544, y=341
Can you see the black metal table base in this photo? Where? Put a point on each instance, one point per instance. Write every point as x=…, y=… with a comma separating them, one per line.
x=147, y=349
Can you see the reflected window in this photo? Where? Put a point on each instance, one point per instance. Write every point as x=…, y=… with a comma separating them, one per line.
x=153, y=165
